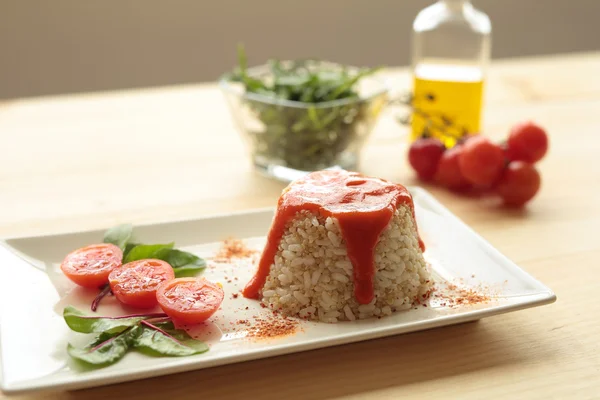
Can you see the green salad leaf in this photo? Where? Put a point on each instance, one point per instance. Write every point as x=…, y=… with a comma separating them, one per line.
x=189, y=270
x=107, y=349
x=163, y=343
x=79, y=322
x=145, y=251
x=184, y=263
x=119, y=235
x=312, y=135
x=157, y=338
x=128, y=248
x=307, y=81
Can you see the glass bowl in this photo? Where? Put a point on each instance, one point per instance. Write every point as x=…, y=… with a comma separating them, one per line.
x=287, y=139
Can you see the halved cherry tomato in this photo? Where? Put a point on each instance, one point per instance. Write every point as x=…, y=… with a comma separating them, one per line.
x=189, y=300
x=90, y=266
x=135, y=283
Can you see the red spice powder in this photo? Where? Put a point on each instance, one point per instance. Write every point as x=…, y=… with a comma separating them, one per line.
x=233, y=248
x=270, y=327
x=423, y=298
x=455, y=296
x=266, y=326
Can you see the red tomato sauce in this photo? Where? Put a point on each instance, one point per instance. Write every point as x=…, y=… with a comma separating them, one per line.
x=363, y=207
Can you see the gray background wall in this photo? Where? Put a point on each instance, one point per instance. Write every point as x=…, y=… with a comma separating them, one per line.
x=61, y=46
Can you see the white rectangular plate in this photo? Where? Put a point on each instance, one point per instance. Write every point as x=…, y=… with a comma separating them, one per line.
x=33, y=335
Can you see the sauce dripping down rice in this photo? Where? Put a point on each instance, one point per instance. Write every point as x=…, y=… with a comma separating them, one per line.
x=362, y=207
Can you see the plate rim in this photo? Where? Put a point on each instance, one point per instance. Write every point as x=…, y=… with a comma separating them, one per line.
x=542, y=297
x=115, y=377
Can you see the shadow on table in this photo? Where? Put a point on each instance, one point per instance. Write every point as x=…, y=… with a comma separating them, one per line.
x=337, y=371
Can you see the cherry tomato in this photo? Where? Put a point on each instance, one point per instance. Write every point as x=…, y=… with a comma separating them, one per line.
x=519, y=183
x=189, y=300
x=424, y=155
x=448, y=173
x=527, y=142
x=481, y=161
x=135, y=283
x=467, y=137
x=90, y=266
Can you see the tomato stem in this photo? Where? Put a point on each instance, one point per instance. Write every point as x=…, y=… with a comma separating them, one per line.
x=104, y=292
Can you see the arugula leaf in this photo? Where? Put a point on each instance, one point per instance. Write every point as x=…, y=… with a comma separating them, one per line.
x=252, y=84
x=306, y=138
x=145, y=251
x=349, y=83
x=107, y=349
x=79, y=322
x=161, y=343
x=119, y=235
x=184, y=263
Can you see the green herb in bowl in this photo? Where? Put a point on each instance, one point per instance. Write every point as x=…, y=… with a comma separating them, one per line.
x=304, y=115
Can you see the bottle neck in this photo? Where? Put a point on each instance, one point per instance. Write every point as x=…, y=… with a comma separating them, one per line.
x=456, y=5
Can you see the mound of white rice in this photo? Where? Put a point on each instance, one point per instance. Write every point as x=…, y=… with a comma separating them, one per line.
x=312, y=276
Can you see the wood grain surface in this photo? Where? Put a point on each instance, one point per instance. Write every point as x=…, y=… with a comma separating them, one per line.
x=90, y=161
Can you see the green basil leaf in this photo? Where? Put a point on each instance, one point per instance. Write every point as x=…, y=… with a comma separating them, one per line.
x=189, y=270
x=128, y=248
x=79, y=322
x=178, y=258
x=107, y=349
x=345, y=86
x=184, y=263
x=153, y=342
x=145, y=251
x=119, y=235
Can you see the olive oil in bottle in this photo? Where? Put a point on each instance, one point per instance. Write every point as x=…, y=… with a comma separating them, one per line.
x=451, y=49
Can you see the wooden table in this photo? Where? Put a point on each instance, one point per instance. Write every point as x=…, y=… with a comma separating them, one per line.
x=90, y=161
